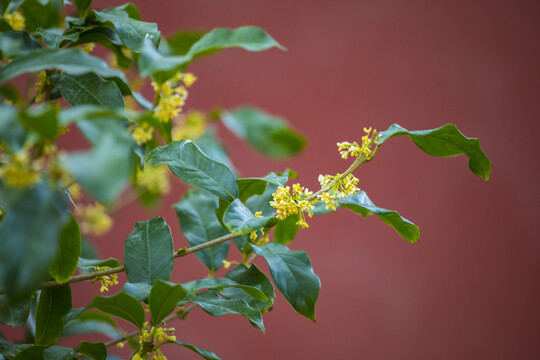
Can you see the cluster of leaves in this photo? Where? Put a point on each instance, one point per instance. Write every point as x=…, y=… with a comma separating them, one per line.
x=40, y=239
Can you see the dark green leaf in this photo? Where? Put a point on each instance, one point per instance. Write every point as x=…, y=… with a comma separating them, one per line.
x=31, y=353
x=105, y=169
x=121, y=305
x=293, y=276
x=15, y=43
x=69, y=250
x=163, y=299
x=72, y=61
x=96, y=351
x=86, y=265
x=42, y=120
x=10, y=92
x=360, y=203
x=268, y=134
x=240, y=220
x=286, y=230
x=148, y=252
x=206, y=354
x=189, y=163
x=215, y=305
x=139, y=291
x=54, y=303
x=222, y=283
x=249, y=187
x=181, y=42
x=132, y=32
x=445, y=141
x=88, y=89
x=254, y=277
x=14, y=314
x=82, y=6
x=199, y=224
x=56, y=352
x=41, y=14
x=90, y=327
x=29, y=231
x=55, y=38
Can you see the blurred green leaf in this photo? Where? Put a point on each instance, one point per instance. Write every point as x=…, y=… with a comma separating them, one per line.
x=54, y=303
x=182, y=41
x=293, y=275
x=15, y=43
x=148, y=252
x=14, y=314
x=445, y=141
x=199, y=224
x=88, y=89
x=189, y=163
x=82, y=6
x=12, y=133
x=69, y=250
x=41, y=14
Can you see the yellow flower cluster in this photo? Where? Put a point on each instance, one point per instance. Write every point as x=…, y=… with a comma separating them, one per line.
x=346, y=148
x=148, y=340
x=16, y=20
x=154, y=179
x=336, y=189
x=19, y=171
x=172, y=96
x=93, y=219
x=142, y=133
x=42, y=85
x=190, y=126
x=286, y=204
x=105, y=280
x=89, y=47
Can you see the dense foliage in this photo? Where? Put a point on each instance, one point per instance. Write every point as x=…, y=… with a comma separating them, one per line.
x=51, y=198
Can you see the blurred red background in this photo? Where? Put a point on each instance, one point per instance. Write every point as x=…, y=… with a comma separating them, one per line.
x=470, y=288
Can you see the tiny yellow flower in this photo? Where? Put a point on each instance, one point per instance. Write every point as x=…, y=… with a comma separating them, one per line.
x=19, y=171
x=142, y=134
x=189, y=126
x=258, y=214
x=16, y=20
x=89, y=47
x=154, y=179
x=120, y=345
x=104, y=280
x=42, y=85
x=189, y=79
x=93, y=219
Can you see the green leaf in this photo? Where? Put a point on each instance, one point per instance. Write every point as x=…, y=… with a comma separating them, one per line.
x=72, y=61
x=105, y=169
x=211, y=145
x=240, y=220
x=161, y=67
x=360, y=203
x=31, y=353
x=69, y=250
x=88, y=89
x=14, y=314
x=41, y=13
x=96, y=351
x=251, y=276
x=213, y=304
x=132, y=32
x=139, y=291
x=286, y=230
x=148, y=252
x=181, y=42
x=56, y=352
x=29, y=231
x=222, y=283
x=206, y=354
x=249, y=187
x=199, y=224
x=293, y=275
x=55, y=38
x=84, y=264
x=15, y=43
x=42, y=120
x=163, y=299
x=189, y=163
x=90, y=327
x=268, y=134
x=54, y=303
x=445, y=141
x=121, y=305
x=12, y=133
x=82, y=6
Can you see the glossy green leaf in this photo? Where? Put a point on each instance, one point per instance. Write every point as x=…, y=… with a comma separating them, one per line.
x=249, y=187
x=268, y=134
x=41, y=120
x=189, y=163
x=29, y=231
x=251, y=276
x=445, y=141
x=213, y=304
x=72, y=61
x=222, y=283
x=88, y=89
x=54, y=303
x=105, y=169
x=293, y=275
x=148, y=252
x=55, y=38
x=163, y=67
x=139, y=291
x=199, y=224
x=206, y=354
x=360, y=203
x=240, y=220
x=132, y=32
x=163, y=299
x=121, y=305
x=15, y=43
x=69, y=250
x=14, y=314
x=285, y=230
